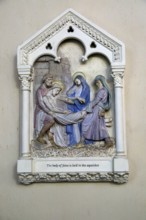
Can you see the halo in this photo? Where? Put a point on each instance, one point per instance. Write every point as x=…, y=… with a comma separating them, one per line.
x=58, y=84
x=78, y=74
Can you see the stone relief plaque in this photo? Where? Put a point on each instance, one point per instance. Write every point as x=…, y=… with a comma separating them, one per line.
x=72, y=124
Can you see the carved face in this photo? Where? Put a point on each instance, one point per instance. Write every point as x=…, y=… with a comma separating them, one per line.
x=48, y=82
x=98, y=83
x=56, y=91
x=77, y=82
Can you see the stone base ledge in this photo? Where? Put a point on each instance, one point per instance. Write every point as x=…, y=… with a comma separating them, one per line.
x=72, y=170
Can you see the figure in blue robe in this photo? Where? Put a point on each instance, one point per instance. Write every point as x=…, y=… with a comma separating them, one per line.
x=79, y=93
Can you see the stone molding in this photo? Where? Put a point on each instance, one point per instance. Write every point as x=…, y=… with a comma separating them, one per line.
x=68, y=19
x=29, y=178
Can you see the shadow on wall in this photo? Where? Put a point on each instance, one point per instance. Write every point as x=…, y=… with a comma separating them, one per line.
x=15, y=173
x=15, y=72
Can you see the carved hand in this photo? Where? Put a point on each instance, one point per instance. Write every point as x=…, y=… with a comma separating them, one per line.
x=67, y=112
x=81, y=100
x=102, y=113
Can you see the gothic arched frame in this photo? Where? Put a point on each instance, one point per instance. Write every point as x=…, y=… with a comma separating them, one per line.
x=71, y=25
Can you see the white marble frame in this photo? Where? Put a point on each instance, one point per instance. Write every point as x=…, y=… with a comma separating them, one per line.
x=31, y=170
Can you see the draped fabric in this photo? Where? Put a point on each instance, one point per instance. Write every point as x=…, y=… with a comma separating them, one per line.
x=61, y=138
x=93, y=126
x=82, y=91
x=41, y=115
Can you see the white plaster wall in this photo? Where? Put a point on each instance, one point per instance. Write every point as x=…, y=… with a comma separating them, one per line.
x=19, y=19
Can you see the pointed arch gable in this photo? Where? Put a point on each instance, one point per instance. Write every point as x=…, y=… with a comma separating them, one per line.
x=70, y=24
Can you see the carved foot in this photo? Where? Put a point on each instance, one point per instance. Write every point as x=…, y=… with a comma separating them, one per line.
x=41, y=140
x=109, y=143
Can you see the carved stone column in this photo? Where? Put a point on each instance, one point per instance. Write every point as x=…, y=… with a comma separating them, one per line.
x=118, y=74
x=25, y=78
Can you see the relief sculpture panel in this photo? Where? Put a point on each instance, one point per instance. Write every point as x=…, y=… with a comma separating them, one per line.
x=73, y=112
x=72, y=109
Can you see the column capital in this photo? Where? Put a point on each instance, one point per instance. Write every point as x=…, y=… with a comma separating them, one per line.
x=118, y=78
x=25, y=82
x=25, y=76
